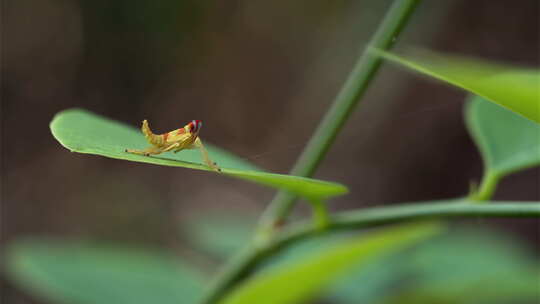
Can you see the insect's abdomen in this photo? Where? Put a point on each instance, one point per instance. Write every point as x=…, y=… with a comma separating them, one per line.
x=153, y=139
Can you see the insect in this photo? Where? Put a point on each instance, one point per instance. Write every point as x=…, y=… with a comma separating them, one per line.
x=176, y=141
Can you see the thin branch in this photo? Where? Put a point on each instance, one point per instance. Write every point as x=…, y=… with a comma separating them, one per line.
x=371, y=217
x=315, y=151
x=349, y=96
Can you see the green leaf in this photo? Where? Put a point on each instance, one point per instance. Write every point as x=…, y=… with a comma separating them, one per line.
x=461, y=266
x=507, y=141
x=468, y=266
x=84, y=132
x=303, y=280
x=367, y=281
x=220, y=234
x=517, y=89
x=83, y=273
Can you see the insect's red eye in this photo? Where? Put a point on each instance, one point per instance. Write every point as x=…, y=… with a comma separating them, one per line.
x=195, y=125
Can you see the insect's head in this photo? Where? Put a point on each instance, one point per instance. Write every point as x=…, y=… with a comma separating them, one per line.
x=194, y=126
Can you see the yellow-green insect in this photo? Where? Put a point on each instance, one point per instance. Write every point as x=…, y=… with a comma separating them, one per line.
x=176, y=140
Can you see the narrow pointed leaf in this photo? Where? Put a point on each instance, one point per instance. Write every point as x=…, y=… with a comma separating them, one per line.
x=301, y=281
x=514, y=88
x=84, y=132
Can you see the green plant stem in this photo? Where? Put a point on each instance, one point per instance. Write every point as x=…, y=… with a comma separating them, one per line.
x=377, y=216
x=251, y=257
x=320, y=214
x=487, y=187
x=319, y=144
x=349, y=96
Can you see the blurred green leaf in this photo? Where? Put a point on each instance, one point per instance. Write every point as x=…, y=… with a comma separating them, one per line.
x=375, y=276
x=78, y=273
x=468, y=266
x=507, y=141
x=84, y=132
x=368, y=283
x=461, y=266
x=303, y=280
x=517, y=89
x=220, y=234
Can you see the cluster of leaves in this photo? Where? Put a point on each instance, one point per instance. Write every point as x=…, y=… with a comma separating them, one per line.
x=352, y=268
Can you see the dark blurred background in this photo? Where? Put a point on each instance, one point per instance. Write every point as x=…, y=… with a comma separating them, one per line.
x=260, y=74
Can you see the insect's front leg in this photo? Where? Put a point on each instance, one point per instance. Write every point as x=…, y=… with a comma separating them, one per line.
x=199, y=145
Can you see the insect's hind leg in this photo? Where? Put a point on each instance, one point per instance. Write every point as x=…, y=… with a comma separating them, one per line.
x=153, y=150
x=146, y=152
x=171, y=147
